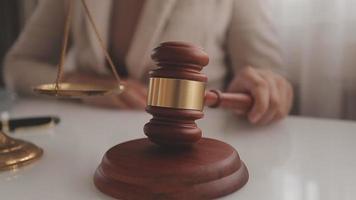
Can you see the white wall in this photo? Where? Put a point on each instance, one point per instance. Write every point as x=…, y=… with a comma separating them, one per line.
x=319, y=42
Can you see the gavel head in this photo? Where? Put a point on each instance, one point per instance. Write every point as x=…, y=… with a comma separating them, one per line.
x=176, y=94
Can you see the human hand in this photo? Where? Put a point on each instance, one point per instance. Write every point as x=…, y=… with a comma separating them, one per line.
x=133, y=97
x=272, y=94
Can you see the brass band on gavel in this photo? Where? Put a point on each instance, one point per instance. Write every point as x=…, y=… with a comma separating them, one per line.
x=176, y=93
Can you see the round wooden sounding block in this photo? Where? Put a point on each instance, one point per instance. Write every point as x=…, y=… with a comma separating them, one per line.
x=174, y=162
x=140, y=169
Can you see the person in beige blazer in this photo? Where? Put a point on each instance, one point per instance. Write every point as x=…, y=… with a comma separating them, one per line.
x=237, y=35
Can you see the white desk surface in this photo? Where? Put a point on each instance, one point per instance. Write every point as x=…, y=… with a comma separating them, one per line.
x=296, y=159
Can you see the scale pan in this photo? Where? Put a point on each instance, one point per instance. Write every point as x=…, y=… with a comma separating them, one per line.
x=74, y=90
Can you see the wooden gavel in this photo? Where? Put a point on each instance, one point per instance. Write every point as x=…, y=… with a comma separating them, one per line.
x=177, y=95
x=185, y=165
x=237, y=101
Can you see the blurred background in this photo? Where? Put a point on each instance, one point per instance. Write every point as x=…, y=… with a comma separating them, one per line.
x=318, y=39
x=319, y=44
x=13, y=16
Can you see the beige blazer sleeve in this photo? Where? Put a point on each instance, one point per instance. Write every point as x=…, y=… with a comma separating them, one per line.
x=252, y=39
x=33, y=58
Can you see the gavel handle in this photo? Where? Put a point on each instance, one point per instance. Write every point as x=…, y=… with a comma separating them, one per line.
x=237, y=101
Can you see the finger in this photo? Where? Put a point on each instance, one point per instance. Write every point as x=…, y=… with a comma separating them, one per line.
x=236, y=85
x=139, y=88
x=261, y=101
x=275, y=100
x=121, y=104
x=133, y=99
x=287, y=99
x=241, y=82
x=251, y=82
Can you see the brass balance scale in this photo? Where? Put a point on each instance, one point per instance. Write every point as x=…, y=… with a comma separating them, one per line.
x=15, y=153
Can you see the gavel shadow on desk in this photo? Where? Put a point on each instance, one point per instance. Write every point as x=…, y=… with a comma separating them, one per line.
x=175, y=162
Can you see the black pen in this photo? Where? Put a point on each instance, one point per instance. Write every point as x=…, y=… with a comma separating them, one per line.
x=29, y=122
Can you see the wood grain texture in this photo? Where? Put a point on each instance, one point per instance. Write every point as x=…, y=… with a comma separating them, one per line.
x=139, y=169
x=181, y=165
x=171, y=127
